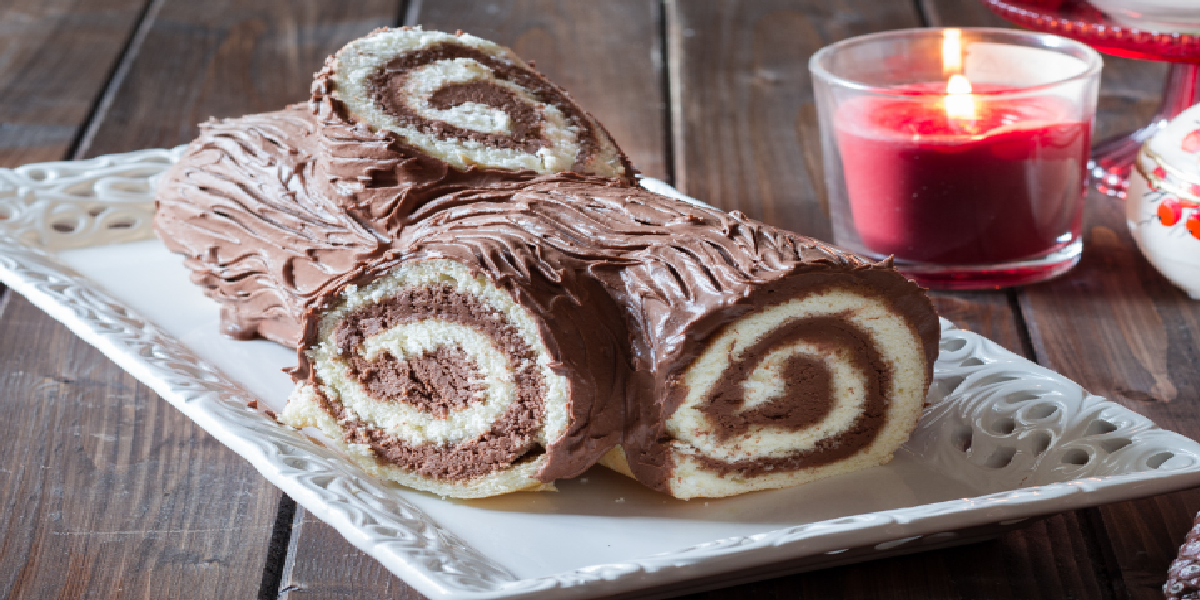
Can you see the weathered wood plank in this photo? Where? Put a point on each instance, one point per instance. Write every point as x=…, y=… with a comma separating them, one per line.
x=1018, y=565
x=55, y=59
x=1122, y=331
x=115, y=493
x=988, y=313
x=109, y=492
x=603, y=54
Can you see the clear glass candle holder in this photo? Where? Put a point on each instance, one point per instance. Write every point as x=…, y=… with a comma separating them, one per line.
x=959, y=152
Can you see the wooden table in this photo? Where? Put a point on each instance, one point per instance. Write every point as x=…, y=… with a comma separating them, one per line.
x=108, y=492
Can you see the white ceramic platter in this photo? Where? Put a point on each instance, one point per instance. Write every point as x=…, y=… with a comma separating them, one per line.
x=1003, y=440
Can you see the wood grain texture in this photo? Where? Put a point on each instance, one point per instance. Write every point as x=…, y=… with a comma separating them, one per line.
x=1146, y=535
x=744, y=119
x=224, y=59
x=55, y=60
x=988, y=313
x=1018, y=565
x=108, y=491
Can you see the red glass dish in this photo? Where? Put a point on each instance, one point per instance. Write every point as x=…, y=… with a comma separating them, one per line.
x=1113, y=158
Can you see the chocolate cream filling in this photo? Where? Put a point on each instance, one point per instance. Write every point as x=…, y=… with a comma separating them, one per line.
x=387, y=90
x=510, y=439
x=438, y=382
x=806, y=400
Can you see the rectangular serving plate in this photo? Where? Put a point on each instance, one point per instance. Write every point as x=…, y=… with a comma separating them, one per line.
x=1003, y=440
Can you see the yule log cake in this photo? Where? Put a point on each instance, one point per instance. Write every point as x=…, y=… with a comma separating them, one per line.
x=268, y=209
x=488, y=325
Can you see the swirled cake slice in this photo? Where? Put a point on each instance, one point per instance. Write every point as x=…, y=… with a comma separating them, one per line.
x=467, y=366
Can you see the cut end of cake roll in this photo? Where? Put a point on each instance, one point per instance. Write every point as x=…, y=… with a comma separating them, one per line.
x=431, y=375
x=435, y=378
x=825, y=383
x=776, y=359
x=468, y=102
x=829, y=381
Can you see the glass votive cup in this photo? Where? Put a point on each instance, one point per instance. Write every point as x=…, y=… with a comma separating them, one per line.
x=961, y=153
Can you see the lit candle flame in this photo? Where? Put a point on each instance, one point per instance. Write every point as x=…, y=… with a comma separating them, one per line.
x=952, y=51
x=960, y=104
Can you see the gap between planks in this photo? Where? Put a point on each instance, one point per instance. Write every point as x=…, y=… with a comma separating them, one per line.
x=121, y=66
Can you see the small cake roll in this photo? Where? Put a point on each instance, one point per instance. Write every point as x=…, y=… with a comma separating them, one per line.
x=468, y=367
x=813, y=370
x=410, y=115
x=761, y=359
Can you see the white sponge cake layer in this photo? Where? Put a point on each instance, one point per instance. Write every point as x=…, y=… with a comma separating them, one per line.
x=695, y=434
x=304, y=410
x=363, y=59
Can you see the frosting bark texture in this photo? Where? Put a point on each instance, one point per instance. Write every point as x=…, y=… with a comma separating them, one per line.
x=256, y=224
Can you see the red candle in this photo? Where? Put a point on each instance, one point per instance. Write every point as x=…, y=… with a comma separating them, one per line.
x=977, y=178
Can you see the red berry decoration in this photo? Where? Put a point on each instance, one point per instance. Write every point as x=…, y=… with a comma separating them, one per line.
x=1193, y=225
x=1170, y=211
x=1183, y=577
x=1160, y=172
x=1191, y=142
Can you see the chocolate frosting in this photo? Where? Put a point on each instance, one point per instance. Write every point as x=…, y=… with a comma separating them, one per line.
x=270, y=208
x=580, y=323
x=381, y=180
x=806, y=399
x=438, y=382
x=674, y=273
x=257, y=227
x=277, y=213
